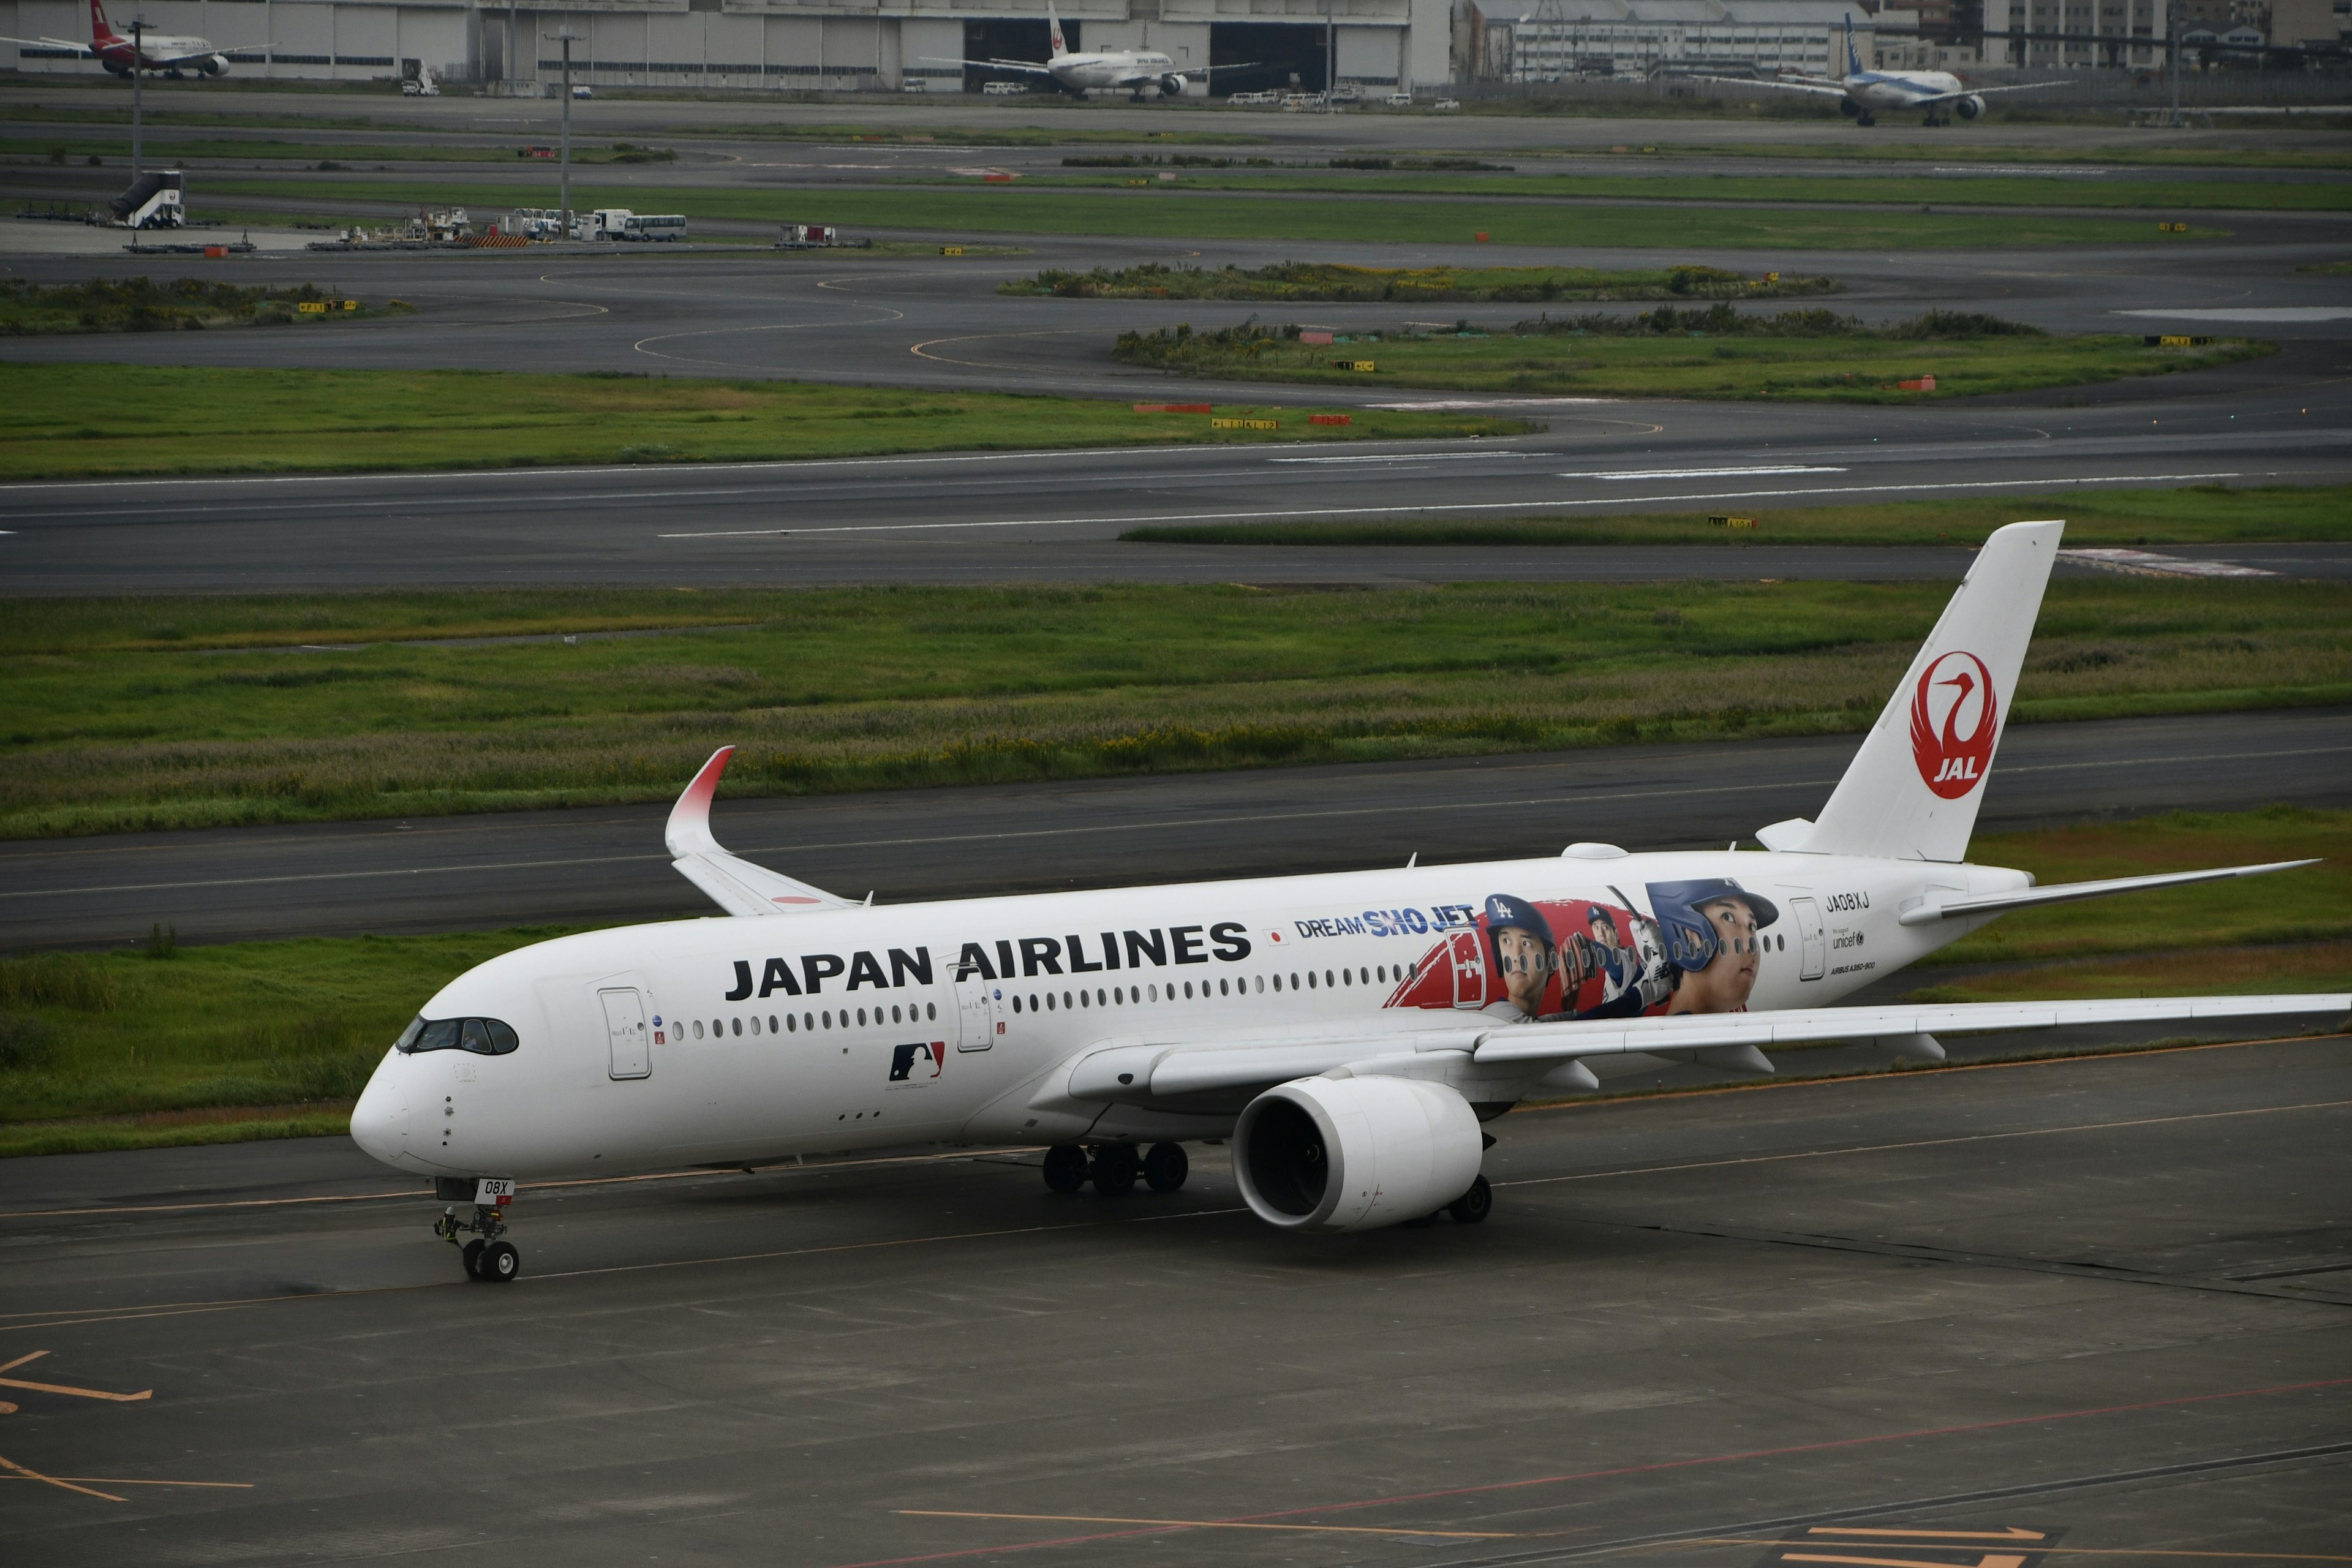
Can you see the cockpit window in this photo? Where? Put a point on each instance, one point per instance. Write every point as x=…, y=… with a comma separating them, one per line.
x=483, y=1036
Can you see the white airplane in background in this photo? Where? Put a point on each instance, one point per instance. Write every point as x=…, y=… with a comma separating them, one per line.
x=1863, y=94
x=1347, y=1033
x=170, y=53
x=1144, y=73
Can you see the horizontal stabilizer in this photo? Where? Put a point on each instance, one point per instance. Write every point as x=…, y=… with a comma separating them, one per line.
x=733, y=883
x=2067, y=892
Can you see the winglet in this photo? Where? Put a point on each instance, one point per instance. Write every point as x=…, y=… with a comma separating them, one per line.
x=689, y=832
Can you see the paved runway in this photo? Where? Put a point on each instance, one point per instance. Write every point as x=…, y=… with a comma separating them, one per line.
x=2097, y=1305
x=528, y=868
x=993, y=517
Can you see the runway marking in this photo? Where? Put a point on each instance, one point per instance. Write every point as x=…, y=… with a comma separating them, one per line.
x=1470, y=506
x=1933, y=1142
x=1489, y=1488
x=63, y=1388
x=22, y=1473
x=887, y=316
x=1015, y=836
x=1219, y=1524
x=984, y=1153
x=1704, y=473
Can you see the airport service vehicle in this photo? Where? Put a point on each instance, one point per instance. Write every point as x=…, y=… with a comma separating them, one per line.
x=1003, y=89
x=1347, y=1034
x=1862, y=95
x=620, y=224
x=1145, y=73
x=424, y=84
x=172, y=53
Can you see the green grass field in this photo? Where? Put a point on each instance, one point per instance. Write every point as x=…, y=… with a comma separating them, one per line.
x=1174, y=213
x=119, y=718
x=274, y=1039
x=2194, y=515
x=2248, y=192
x=87, y=420
x=138, y=305
x=1737, y=357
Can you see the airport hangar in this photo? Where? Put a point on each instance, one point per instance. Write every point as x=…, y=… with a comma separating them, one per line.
x=772, y=45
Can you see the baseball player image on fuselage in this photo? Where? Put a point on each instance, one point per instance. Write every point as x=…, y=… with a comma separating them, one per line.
x=1712, y=935
x=1697, y=951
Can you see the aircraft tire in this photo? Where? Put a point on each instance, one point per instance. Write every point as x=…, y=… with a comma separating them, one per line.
x=1066, y=1168
x=1114, y=1170
x=1165, y=1168
x=473, y=1257
x=1473, y=1206
x=501, y=1263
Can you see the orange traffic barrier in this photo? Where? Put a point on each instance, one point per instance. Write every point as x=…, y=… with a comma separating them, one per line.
x=1328, y=419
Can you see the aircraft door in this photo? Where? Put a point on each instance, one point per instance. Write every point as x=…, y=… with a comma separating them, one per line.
x=625, y=1029
x=1809, y=933
x=979, y=1005
x=1468, y=956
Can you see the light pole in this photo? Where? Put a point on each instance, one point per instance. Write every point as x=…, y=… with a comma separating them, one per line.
x=565, y=36
x=138, y=51
x=1330, y=58
x=2172, y=43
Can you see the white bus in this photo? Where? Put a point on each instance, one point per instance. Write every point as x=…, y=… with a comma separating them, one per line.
x=653, y=226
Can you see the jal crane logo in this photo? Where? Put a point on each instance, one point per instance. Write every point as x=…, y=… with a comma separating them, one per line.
x=1954, y=718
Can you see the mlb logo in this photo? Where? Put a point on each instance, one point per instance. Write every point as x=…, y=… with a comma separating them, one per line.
x=918, y=1062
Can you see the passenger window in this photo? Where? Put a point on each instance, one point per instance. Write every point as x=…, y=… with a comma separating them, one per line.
x=1084, y=1000
x=771, y=1023
x=788, y=1024
x=1155, y=992
x=1310, y=980
x=931, y=1011
x=1327, y=977
x=808, y=1021
x=893, y=1014
x=739, y=1026
x=755, y=1023
x=1221, y=989
x=861, y=1016
x=1102, y=998
x=1187, y=991
x=828, y=1018
x=1065, y=998
x=1049, y=1001
x=1016, y=1003
x=698, y=1028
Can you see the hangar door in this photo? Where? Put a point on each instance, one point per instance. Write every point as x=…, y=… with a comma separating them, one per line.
x=1289, y=54
x=1013, y=38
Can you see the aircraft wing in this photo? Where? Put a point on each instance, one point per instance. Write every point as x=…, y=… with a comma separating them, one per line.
x=78, y=49
x=1029, y=67
x=733, y=883
x=1821, y=89
x=1980, y=92
x=1169, y=1071
x=2067, y=892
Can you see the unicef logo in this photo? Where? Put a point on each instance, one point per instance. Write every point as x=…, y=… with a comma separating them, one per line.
x=1954, y=718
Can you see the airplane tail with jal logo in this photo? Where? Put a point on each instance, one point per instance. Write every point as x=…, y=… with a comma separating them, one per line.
x=1053, y=21
x=1913, y=791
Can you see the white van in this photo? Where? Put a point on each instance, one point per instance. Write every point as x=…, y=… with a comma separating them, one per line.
x=649, y=226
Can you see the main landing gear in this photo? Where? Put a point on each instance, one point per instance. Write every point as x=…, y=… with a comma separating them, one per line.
x=1113, y=1167
x=488, y=1258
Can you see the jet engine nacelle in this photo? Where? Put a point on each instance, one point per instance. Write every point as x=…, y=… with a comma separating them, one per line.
x=1969, y=107
x=1354, y=1153
x=1174, y=84
x=215, y=64
x=1849, y=108
x=115, y=67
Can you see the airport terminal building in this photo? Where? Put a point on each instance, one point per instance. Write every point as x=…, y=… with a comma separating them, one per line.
x=748, y=45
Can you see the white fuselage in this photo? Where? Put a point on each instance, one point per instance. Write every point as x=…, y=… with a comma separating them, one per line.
x=960, y=1022
x=1110, y=69
x=1876, y=90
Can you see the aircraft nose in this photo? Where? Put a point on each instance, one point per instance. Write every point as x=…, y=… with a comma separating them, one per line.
x=380, y=1119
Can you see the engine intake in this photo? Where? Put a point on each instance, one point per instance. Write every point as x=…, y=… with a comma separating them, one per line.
x=1969, y=107
x=1354, y=1153
x=1173, y=85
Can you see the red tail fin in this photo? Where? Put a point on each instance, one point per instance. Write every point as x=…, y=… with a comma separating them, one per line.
x=101, y=31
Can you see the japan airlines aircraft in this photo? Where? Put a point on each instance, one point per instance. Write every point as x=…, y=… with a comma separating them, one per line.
x=1863, y=94
x=1347, y=1033
x=1147, y=73
x=171, y=54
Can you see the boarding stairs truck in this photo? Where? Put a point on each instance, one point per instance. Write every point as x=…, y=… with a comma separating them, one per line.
x=153, y=201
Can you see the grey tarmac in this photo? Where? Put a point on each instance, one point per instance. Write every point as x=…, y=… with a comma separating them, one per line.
x=2097, y=1305
x=604, y=865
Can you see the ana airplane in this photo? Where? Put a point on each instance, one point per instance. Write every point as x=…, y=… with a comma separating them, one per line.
x=1347, y=1033
x=1147, y=73
x=1863, y=94
x=174, y=54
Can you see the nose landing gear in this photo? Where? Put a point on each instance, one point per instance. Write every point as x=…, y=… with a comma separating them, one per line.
x=487, y=1257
